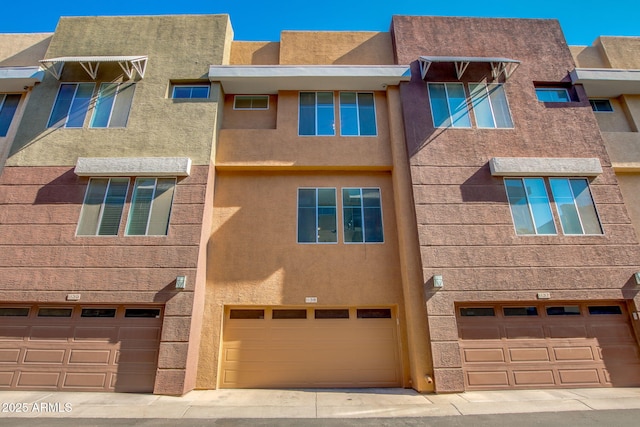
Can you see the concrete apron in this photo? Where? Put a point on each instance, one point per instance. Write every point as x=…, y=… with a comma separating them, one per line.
x=326, y=403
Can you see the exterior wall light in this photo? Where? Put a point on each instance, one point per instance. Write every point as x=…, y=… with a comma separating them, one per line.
x=637, y=276
x=181, y=282
x=437, y=281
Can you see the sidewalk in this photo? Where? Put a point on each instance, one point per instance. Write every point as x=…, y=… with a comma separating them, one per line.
x=330, y=403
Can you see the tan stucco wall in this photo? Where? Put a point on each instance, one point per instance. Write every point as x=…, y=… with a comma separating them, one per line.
x=339, y=48
x=616, y=120
x=589, y=56
x=255, y=53
x=255, y=258
x=250, y=119
x=282, y=147
x=622, y=52
x=179, y=48
x=23, y=49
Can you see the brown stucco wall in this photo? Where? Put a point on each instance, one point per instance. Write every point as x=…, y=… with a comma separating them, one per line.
x=465, y=228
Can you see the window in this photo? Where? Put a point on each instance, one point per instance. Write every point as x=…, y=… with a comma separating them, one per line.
x=316, y=114
x=520, y=311
x=150, y=313
x=330, y=313
x=71, y=105
x=55, y=312
x=289, y=314
x=151, y=207
x=530, y=206
x=601, y=105
x=449, y=105
x=566, y=310
x=362, y=214
x=14, y=311
x=8, y=106
x=373, y=313
x=317, y=222
x=477, y=312
x=113, y=105
x=490, y=106
x=552, y=94
x=98, y=312
x=575, y=206
x=190, y=92
x=605, y=309
x=246, y=314
x=102, y=207
x=251, y=102
x=357, y=114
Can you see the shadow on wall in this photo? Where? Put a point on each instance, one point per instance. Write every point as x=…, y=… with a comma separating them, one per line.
x=65, y=189
x=482, y=187
x=29, y=56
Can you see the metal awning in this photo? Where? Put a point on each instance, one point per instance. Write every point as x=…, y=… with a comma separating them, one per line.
x=90, y=64
x=18, y=79
x=499, y=66
x=269, y=79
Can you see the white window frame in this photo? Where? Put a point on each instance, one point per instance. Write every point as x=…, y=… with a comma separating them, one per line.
x=153, y=198
x=364, y=241
x=446, y=90
x=66, y=120
x=316, y=92
x=358, y=112
x=493, y=113
x=175, y=86
x=252, y=97
x=115, y=99
x=573, y=196
x=102, y=204
x=316, y=215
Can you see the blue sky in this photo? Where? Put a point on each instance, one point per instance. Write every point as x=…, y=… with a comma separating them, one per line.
x=582, y=21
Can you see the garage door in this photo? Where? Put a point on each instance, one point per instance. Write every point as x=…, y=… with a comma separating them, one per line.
x=76, y=348
x=548, y=345
x=304, y=347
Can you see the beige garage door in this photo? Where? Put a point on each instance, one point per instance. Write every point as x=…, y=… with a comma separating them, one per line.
x=547, y=345
x=76, y=348
x=305, y=347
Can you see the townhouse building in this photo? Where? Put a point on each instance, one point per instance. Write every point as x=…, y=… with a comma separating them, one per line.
x=431, y=207
x=106, y=203
x=528, y=254
x=608, y=71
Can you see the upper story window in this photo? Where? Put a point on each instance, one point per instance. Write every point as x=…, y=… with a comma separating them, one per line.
x=72, y=104
x=8, y=106
x=531, y=208
x=362, y=215
x=601, y=105
x=251, y=102
x=113, y=105
x=190, y=92
x=357, y=114
x=316, y=114
x=490, y=106
x=552, y=94
x=449, y=105
x=317, y=220
x=104, y=204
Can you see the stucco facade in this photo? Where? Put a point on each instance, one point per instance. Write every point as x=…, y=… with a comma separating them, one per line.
x=466, y=231
x=619, y=125
x=44, y=256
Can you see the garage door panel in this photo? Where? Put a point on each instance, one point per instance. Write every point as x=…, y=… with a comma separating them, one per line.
x=9, y=355
x=574, y=353
x=95, y=334
x=533, y=378
x=482, y=355
x=38, y=379
x=6, y=379
x=13, y=333
x=529, y=354
x=95, y=357
x=82, y=351
x=488, y=378
x=594, y=348
x=80, y=380
x=524, y=332
x=44, y=356
x=476, y=333
x=308, y=352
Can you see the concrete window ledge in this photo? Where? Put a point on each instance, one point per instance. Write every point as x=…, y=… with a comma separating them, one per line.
x=133, y=166
x=544, y=166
